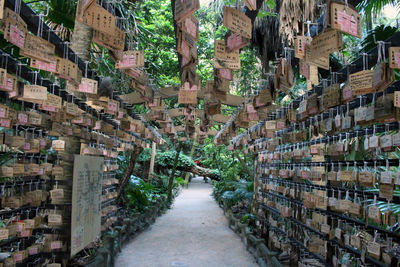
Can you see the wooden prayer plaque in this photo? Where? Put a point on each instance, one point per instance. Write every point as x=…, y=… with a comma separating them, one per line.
x=394, y=57
x=237, y=22
x=361, y=82
x=131, y=59
x=321, y=62
x=187, y=97
x=115, y=41
x=224, y=59
x=300, y=44
x=325, y=43
x=52, y=103
x=34, y=92
x=46, y=66
x=88, y=86
x=14, y=28
x=67, y=69
x=185, y=8
x=190, y=25
x=235, y=41
x=345, y=19
x=96, y=17
x=38, y=48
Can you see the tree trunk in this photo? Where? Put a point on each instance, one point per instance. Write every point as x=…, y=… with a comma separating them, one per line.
x=191, y=155
x=200, y=171
x=129, y=170
x=153, y=157
x=171, y=178
x=244, y=165
x=82, y=36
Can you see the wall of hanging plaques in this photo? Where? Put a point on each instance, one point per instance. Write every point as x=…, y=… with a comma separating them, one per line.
x=41, y=129
x=327, y=166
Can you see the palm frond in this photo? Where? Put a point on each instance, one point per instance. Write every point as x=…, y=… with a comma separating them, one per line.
x=376, y=6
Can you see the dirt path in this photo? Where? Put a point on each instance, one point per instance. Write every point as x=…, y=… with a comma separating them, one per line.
x=194, y=232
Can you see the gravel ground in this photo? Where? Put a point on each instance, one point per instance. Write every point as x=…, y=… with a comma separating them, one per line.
x=193, y=233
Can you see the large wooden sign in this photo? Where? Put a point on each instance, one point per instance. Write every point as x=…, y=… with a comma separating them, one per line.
x=131, y=59
x=185, y=8
x=345, y=19
x=86, y=201
x=237, y=22
x=325, y=43
x=224, y=59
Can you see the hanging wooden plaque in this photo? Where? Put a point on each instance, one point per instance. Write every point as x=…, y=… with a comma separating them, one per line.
x=14, y=28
x=325, y=43
x=346, y=19
x=361, y=82
x=394, y=57
x=67, y=69
x=96, y=17
x=185, y=8
x=131, y=59
x=88, y=86
x=190, y=25
x=38, y=48
x=42, y=65
x=300, y=44
x=34, y=92
x=115, y=42
x=225, y=74
x=237, y=22
x=321, y=62
x=224, y=59
x=235, y=41
x=9, y=84
x=112, y=107
x=188, y=94
x=52, y=103
x=71, y=109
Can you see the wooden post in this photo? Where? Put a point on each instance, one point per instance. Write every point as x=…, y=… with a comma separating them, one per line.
x=153, y=157
x=171, y=178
